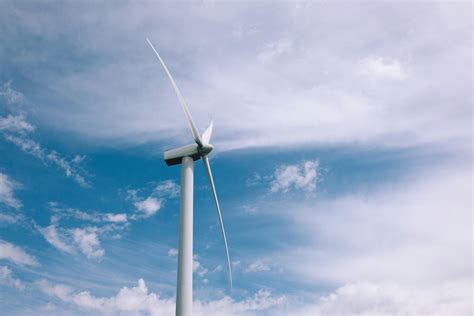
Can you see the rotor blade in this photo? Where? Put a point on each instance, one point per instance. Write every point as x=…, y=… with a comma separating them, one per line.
x=192, y=125
x=206, y=136
x=209, y=173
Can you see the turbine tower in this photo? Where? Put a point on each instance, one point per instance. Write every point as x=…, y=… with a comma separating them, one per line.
x=186, y=155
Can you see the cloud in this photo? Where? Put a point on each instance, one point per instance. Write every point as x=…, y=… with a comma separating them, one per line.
x=7, y=279
x=7, y=187
x=12, y=96
x=33, y=148
x=52, y=236
x=313, y=92
x=198, y=268
x=138, y=300
x=90, y=216
x=148, y=206
x=303, y=177
x=382, y=68
x=15, y=254
x=116, y=218
x=9, y=218
x=167, y=188
x=88, y=242
x=258, y=266
x=16, y=124
x=173, y=252
x=365, y=298
x=16, y=129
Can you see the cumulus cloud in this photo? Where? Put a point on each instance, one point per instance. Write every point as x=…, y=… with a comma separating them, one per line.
x=138, y=300
x=167, y=188
x=88, y=242
x=7, y=187
x=116, y=218
x=148, y=206
x=198, y=268
x=6, y=278
x=15, y=254
x=303, y=177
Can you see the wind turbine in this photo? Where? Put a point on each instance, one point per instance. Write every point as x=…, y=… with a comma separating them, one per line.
x=186, y=155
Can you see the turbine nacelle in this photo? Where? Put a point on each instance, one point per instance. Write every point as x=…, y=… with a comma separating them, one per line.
x=175, y=156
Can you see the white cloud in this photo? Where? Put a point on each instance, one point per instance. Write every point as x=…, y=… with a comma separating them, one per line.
x=311, y=94
x=15, y=254
x=15, y=129
x=302, y=177
x=12, y=96
x=8, y=218
x=363, y=298
x=91, y=216
x=34, y=148
x=168, y=188
x=149, y=206
x=173, y=252
x=258, y=266
x=116, y=218
x=378, y=67
x=198, y=268
x=7, y=187
x=52, y=236
x=138, y=300
x=88, y=242
x=7, y=279
x=16, y=124
x=392, y=234
x=68, y=169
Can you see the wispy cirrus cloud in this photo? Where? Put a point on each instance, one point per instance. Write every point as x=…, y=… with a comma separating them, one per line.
x=55, y=238
x=7, y=189
x=17, y=130
x=6, y=278
x=15, y=254
x=12, y=96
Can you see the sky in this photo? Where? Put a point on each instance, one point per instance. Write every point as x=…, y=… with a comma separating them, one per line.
x=342, y=160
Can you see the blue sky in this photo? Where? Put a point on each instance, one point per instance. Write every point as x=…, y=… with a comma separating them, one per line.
x=343, y=152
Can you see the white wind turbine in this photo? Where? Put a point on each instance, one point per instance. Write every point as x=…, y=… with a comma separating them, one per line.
x=186, y=155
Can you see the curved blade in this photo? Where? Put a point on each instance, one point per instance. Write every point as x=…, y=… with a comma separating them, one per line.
x=209, y=173
x=192, y=125
x=206, y=136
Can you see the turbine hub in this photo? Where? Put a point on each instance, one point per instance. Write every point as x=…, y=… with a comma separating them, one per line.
x=205, y=149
